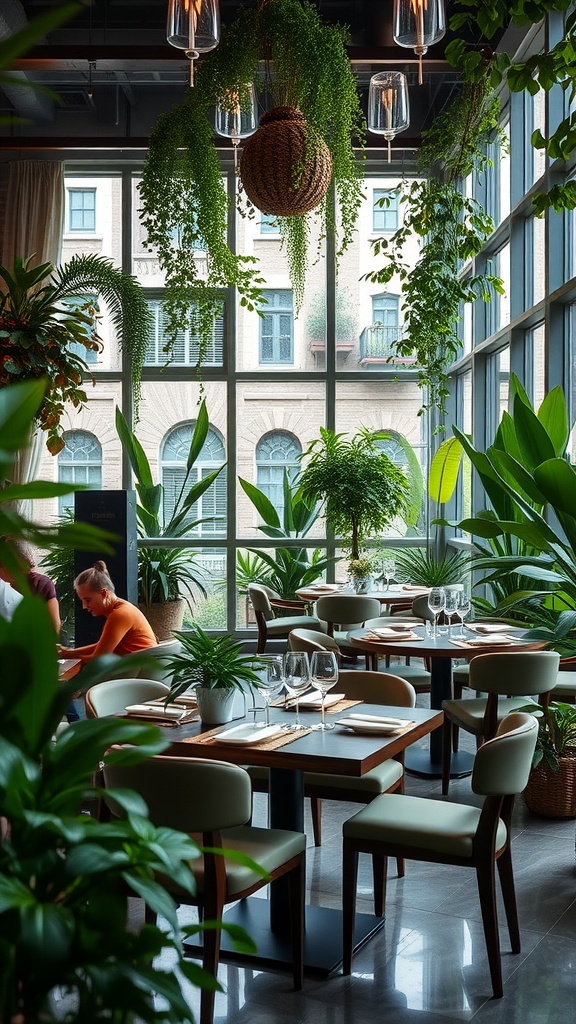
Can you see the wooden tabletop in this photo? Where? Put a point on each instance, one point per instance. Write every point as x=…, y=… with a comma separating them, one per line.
x=68, y=667
x=427, y=646
x=336, y=751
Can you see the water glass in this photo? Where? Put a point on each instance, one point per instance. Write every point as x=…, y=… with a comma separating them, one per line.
x=324, y=672
x=436, y=602
x=464, y=605
x=296, y=680
x=388, y=570
x=451, y=606
x=270, y=671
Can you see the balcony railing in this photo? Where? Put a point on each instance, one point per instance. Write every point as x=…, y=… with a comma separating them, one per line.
x=376, y=345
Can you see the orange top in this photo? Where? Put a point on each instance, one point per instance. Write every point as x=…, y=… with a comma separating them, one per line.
x=126, y=630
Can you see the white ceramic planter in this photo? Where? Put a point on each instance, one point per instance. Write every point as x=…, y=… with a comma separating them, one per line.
x=215, y=706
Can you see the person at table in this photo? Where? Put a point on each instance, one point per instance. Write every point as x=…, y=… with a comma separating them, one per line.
x=9, y=598
x=38, y=583
x=126, y=630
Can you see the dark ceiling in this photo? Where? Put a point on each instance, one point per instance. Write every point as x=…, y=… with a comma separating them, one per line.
x=119, y=48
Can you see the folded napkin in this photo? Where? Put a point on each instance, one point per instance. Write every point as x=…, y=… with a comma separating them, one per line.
x=495, y=640
x=381, y=719
x=414, y=587
x=172, y=711
x=390, y=634
x=313, y=700
x=488, y=627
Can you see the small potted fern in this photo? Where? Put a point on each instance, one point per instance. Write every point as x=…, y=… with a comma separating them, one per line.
x=216, y=667
x=551, y=789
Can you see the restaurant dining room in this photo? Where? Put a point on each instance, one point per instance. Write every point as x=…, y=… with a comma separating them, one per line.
x=287, y=528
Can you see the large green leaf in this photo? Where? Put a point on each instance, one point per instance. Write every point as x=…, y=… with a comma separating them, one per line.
x=135, y=452
x=261, y=503
x=19, y=404
x=444, y=470
x=515, y=474
x=533, y=441
x=553, y=416
x=199, y=436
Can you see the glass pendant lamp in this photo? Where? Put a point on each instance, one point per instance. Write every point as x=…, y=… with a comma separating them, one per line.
x=388, y=105
x=237, y=118
x=193, y=26
x=419, y=24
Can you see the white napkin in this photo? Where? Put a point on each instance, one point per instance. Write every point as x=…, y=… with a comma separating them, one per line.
x=156, y=710
x=314, y=699
x=381, y=719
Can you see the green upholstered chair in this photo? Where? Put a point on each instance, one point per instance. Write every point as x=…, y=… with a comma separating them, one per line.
x=113, y=695
x=265, y=601
x=213, y=799
x=310, y=640
x=509, y=679
x=450, y=833
x=342, y=612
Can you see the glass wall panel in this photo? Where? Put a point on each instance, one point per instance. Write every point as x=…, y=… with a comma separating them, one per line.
x=536, y=353
x=538, y=275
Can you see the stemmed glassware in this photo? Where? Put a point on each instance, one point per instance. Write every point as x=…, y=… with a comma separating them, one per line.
x=270, y=670
x=296, y=681
x=436, y=603
x=463, y=608
x=450, y=607
x=388, y=570
x=324, y=672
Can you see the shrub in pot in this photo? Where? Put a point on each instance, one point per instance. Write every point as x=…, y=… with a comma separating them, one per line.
x=216, y=667
x=551, y=789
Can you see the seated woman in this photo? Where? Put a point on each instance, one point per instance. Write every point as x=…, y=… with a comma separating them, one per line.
x=126, y=629
x=37, y=581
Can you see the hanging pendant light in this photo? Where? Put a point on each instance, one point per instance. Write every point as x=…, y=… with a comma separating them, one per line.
x=237, y=118
x=193, y=26
x=419, y=24
x=388, y=105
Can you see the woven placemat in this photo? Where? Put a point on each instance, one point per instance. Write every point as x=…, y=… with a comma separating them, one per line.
x=334, y=709
x=281, y=739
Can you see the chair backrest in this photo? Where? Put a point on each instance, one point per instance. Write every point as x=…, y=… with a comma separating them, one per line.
x=347, y=610
x=187, y=793
x=156, y=667
x=502, y=764
x=310, y=640
x=517, y=674
x=113, y=695
x=260, y=599
x=377, y=688
x=421, y=608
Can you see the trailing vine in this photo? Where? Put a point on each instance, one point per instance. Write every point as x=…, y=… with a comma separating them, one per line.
x=185, y=205
x=453, y=227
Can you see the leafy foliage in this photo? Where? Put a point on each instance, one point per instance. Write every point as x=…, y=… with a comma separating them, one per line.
x=58, y=564
x=164, y=572
x=359, y=486
x=42, y=313
x=288, y=568
x=453, y=229
x=185, y=205
x=556, y=733
x=417, y=565
x=214, y=662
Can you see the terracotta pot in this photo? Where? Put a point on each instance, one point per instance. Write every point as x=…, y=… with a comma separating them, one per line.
x=553, y=794
x=278, y=174
x=164, y=618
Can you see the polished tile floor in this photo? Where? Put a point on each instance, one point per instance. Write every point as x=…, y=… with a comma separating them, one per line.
x=428, y=964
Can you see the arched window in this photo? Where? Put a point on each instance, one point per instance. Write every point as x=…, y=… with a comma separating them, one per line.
x=80, y=462
x=173, y=456
x=275, y=453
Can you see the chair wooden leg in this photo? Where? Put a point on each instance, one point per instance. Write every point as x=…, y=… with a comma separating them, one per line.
x=506, y=876
x=349, y=883
x=400, y=867
x=487, y=894
x=379, y=872
x=297, y=892
x=446, y=754
x=316, y=810
x=455, y=729
x=210, y=961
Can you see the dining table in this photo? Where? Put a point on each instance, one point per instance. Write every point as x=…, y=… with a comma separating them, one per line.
x=441, y=650
x=334, y=751
x=395, y=596
x=68, y=668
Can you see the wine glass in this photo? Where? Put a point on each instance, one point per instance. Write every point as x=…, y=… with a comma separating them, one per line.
x=436, y=602
x=462, y=609
x=450, y=607
x=388, y=570
x=270, y=673
x=296, y=680
x=324, y=672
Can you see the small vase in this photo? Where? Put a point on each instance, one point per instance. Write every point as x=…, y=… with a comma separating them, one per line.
x=361, y=585
x=215, y=705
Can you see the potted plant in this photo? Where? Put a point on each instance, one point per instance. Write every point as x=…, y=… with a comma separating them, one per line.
x=551, y=789
x=360, y=488
x=359, y=570
x=184, y=201
x=166, y=574
x=421, y=566
x=44, y=312
x=216, y=667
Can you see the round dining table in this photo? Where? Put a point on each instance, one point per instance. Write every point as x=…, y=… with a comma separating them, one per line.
x=391, y=597
x=441, y=651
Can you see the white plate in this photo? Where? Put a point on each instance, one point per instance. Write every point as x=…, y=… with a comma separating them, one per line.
x=370, y=728
x=247, y=733
x=313, y=700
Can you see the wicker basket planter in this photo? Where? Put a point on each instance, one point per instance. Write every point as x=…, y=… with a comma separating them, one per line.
x=278, y=175
x=553, y=794
x=164, y=618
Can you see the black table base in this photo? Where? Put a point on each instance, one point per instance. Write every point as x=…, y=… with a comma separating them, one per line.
x=418, y=762
x=322, y=941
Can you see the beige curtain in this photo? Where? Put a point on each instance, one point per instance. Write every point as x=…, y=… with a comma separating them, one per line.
x=34, y=214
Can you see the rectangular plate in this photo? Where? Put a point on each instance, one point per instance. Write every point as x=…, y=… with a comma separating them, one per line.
x=246, y=734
